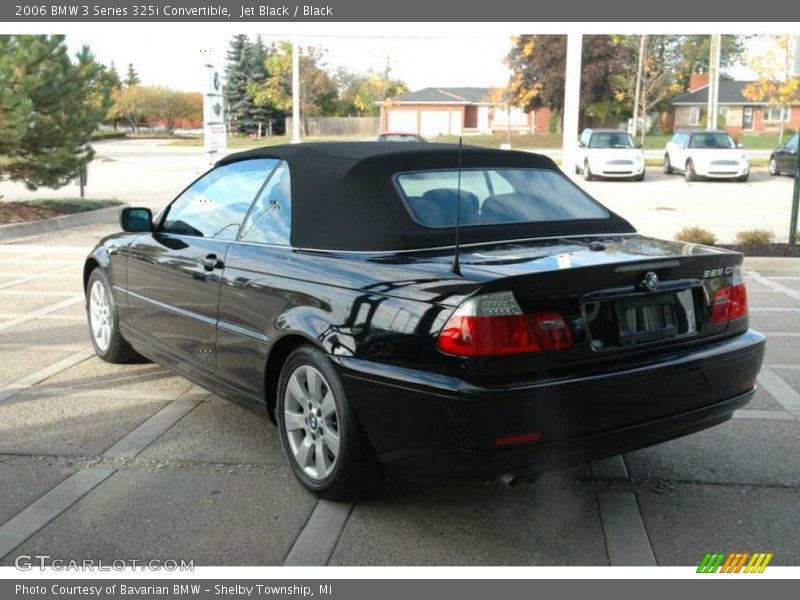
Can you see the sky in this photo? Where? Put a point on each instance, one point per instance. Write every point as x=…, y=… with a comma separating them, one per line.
x=177, y=60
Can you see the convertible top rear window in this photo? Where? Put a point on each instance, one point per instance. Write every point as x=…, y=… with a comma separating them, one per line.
x=495, y=196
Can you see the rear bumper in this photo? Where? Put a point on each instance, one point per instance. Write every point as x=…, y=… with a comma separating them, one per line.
x=430, y=422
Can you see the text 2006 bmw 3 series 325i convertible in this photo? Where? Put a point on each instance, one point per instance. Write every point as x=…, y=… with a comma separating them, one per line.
x=469, y=312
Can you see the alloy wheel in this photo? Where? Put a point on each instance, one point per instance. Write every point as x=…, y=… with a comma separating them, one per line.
x=100, y=315
x=311, y=421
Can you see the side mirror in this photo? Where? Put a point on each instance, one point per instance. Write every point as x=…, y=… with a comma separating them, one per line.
x=739, y=145
x=136, y=219
x=639, y=145
x=580, y=144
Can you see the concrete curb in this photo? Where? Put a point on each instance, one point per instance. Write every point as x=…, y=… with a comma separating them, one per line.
x=14, y=231
x=771, y=263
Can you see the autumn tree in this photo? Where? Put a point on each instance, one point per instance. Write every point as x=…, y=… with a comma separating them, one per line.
x=537, y=64
x=776, y=83
x=318, y=92
x=50, y=105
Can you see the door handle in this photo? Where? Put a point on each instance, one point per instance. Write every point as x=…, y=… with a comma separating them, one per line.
x=211, y=262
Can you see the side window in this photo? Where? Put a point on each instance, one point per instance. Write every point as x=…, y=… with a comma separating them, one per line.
x=793, y=143
x=215, y=205
x=585, y=138
x=270, y=219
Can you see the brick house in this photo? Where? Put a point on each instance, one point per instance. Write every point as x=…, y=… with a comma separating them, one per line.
x=737, y=114
x=452, y=111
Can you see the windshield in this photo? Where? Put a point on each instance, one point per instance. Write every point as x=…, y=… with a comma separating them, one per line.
x=495, y=196
x=611, y=139
x=711, y=140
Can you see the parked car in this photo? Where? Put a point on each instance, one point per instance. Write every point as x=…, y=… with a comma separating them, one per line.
x=783, y=160
x=323, y=283
x=396, y=136
x=609, y=153
x=705, y=153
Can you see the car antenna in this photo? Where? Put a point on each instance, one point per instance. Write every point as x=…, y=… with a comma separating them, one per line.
x=456, y=268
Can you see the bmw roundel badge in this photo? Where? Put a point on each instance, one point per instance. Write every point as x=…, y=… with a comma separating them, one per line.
x=650, y=281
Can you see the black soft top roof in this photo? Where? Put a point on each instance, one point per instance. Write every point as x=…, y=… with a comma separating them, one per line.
x=344, y=197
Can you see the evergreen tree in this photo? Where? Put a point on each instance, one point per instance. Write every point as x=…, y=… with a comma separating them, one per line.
x=257, y=73
x=238, y=103
x=50, y=107
x=132, y=77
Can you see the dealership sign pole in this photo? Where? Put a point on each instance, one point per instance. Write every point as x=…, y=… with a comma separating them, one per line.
x=214, y=138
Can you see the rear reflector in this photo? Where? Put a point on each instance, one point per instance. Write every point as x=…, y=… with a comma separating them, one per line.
x=729, y=303
x=522, y=438
x=494, y=324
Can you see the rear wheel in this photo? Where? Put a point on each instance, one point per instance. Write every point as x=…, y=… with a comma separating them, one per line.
x=667, y=165
x=321, y=437
x=103, y=318
x=689, y=171
x=773, y=167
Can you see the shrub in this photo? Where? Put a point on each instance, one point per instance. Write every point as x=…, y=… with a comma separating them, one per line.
x=696, y=235
x=754, y=237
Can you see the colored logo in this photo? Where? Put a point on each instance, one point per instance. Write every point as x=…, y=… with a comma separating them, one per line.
x=650, y=281
x=737, y=562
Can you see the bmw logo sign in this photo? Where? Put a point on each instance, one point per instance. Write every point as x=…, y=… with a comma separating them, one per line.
x=650, y=281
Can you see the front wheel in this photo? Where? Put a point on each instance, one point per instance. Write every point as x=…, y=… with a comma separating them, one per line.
x=667, y=165
x=743, y=178
x=103, y=318
x=640, y=177
x=587, y=171
x=773, y=167
x=321, y=437
x=689, y=172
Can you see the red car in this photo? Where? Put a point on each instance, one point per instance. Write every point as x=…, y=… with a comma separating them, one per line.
x=399, y=136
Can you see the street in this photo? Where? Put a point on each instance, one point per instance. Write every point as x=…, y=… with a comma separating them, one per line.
x=130, y=462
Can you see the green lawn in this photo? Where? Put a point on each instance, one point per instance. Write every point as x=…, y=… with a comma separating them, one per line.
x=73, y=205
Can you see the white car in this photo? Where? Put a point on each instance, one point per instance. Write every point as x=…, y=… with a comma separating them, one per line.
x=708, y=153
x=609, y=153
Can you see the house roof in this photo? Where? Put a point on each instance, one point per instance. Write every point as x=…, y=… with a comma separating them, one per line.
x=446, y=95
x=730, y=92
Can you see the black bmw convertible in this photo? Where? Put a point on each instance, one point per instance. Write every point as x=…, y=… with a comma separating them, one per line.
x=462, y=311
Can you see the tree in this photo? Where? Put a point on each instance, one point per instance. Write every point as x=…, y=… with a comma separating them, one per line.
x=238, y=102
x=537, y=71
x=375, y=89
x=317, y=89
x=776, y=84
x=50, y=107
x=135, y=104
x=131, y=76
x=256, y=62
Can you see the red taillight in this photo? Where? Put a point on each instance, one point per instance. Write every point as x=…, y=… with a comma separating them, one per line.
x=729, y=303
x=493, y=324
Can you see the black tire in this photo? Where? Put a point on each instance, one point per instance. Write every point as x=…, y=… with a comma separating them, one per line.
x=640, y=177
x=356, y=468
x=587, y=172
x=743, y=178
x=689, y=171
x=118, y=350
x=773, y=167
x=667, y=165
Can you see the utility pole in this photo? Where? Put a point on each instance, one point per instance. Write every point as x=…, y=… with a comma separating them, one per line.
x=713, y=80
x=295, y=91
x=572, y=101
x=638, y=92
x=796, y=196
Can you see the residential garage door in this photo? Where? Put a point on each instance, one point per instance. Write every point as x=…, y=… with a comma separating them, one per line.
x=403, y=121
x=434, y=122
